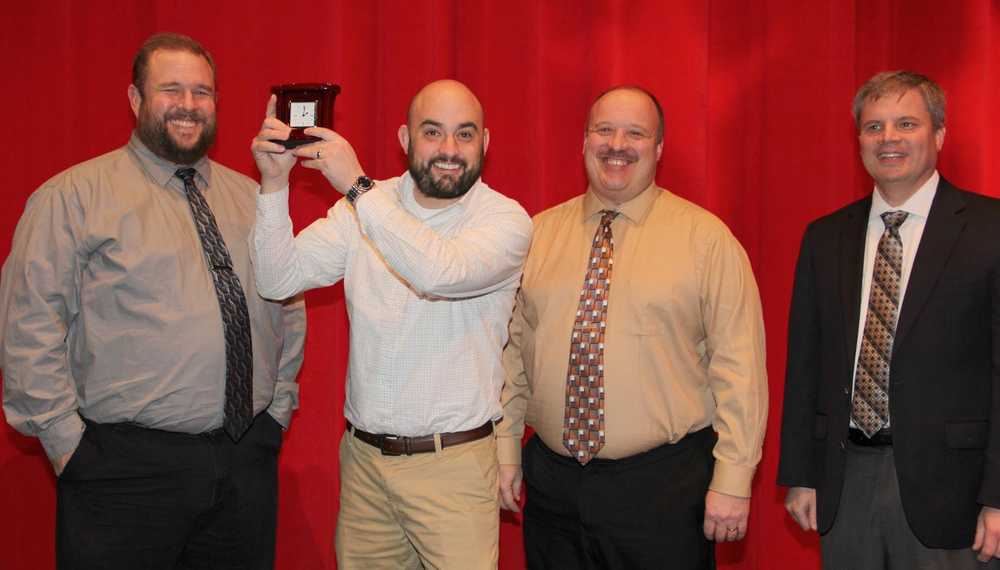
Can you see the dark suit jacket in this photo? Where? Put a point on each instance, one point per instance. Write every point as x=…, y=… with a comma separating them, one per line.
x=944, y=394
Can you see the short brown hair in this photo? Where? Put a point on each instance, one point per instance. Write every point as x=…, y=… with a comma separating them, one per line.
x=166, y=41
x=897, y=83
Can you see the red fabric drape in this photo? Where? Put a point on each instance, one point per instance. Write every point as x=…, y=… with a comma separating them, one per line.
x=756, y=94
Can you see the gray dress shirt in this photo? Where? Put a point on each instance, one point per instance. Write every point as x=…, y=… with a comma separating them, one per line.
x=107, y=309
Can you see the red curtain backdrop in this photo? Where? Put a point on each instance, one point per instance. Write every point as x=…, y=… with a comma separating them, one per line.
x=756, y=93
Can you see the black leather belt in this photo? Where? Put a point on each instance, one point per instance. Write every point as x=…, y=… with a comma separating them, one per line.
x=402, y=445
x=881, y=438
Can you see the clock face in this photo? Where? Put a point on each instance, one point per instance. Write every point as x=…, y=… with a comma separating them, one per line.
x=302, y=114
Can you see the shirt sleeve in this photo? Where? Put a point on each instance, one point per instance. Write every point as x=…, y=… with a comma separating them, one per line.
x=482, y=258
x=39, y=304
x=737, y=371
x=285, y=266
x=286, y=387
x=516, y=392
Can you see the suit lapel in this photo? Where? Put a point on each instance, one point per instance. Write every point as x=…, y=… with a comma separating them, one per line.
x=945, y=223
x=852, y=246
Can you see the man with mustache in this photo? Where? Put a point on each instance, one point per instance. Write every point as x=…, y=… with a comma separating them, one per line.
x=891, y=431
x=430, y=262
x=135, y=345
x=646, y=384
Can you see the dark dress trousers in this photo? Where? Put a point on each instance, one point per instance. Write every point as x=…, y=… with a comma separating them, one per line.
x=944, y=386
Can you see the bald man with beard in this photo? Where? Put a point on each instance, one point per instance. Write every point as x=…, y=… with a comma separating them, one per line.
x=431, y=261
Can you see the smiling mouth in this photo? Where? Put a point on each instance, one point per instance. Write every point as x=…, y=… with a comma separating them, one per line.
x=183, y=124
x=890, y=156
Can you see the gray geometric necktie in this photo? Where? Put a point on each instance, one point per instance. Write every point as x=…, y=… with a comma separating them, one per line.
x=870, y=404
x=235, y=317
x=583, y=420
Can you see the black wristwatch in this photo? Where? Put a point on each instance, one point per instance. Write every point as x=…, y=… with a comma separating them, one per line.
x=361, y=185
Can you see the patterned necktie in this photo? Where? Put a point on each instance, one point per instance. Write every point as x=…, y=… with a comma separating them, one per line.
x=583, y=424
x=233, y=305
x=870, y=405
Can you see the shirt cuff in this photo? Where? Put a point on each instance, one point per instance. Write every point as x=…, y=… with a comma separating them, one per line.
x=732, y=479
x=63, y=436
x=273, y=205
x=284, y=404
x=508, y=450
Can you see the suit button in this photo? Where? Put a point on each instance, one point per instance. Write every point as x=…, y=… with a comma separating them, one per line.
x=847, y=391
x=843, y=446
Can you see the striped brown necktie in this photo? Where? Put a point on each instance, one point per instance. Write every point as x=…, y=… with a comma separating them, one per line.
x=870, y=405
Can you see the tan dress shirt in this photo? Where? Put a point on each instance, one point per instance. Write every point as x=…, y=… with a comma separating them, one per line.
x=684, y=346
x=108, y=311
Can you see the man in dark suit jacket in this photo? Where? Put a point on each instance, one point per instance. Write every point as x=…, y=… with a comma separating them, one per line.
x=891, y=429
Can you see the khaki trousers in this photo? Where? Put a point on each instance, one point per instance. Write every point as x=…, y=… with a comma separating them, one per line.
x=430, y=510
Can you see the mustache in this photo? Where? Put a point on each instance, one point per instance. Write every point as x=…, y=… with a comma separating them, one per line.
x=622, y=154
x=183, y=115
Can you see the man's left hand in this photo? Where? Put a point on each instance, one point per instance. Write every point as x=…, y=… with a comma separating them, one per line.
x=987, y=534
x=333, y=156
x=725, y=517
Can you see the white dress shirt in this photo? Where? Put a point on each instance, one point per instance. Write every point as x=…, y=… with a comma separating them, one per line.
x=429, y=296
x=918, y=206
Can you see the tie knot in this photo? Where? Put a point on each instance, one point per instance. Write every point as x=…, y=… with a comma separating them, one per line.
x=608, y=216
x=186, y=174
x=893, y=219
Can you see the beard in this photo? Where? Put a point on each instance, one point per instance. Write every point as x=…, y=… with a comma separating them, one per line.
x=153, y=133
x=447, y=186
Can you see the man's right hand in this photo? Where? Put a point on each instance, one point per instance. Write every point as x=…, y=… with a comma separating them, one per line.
x=800, y=502
x=273, y=160
x=59, y=463
x=510, y=487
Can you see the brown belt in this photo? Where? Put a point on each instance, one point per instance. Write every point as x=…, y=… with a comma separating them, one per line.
x=402, y=445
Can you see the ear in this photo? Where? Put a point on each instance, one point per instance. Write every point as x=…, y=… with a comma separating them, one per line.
x=486, y=140
x=659, y=151
x=134, y=99
x=939, y=138
x=404, y=138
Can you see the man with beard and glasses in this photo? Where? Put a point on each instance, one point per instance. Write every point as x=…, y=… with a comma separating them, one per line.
x=430, y=261
x=135, y=345
x=646, y=384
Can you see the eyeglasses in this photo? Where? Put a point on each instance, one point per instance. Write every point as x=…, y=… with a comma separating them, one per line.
x=631, y=133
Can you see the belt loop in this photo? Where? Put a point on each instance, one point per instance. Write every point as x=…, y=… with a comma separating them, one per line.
x=350, y=437
x=437, y=443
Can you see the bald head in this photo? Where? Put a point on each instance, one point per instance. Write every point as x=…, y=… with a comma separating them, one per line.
x=445, y=141
x=444, y=96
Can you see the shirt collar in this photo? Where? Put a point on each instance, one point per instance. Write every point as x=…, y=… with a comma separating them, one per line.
x=919, y=204
x=635, y=210
x=161, y=170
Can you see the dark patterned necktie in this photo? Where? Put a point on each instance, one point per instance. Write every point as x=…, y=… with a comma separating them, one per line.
x=583, y=424
x=870, y=405
x=235, y=317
